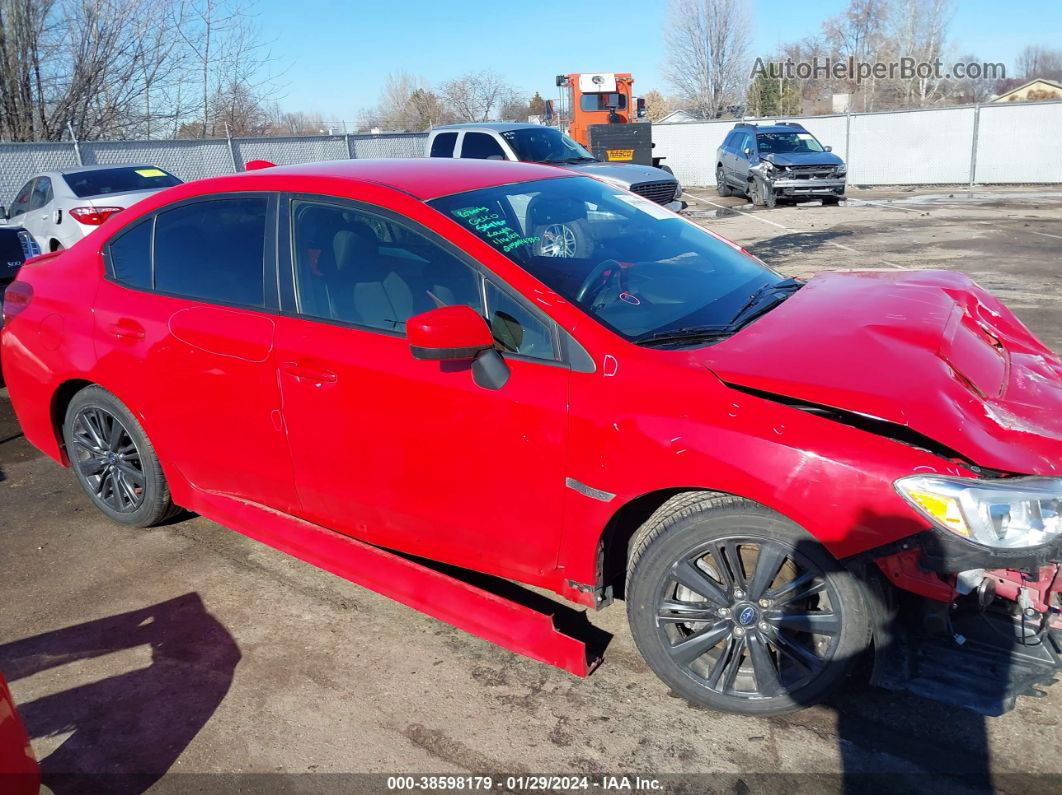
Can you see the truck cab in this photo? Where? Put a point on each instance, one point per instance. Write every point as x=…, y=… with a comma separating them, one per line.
x=536, y=143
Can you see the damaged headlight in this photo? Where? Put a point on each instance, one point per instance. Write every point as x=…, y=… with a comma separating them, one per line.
x=1005, y=514
x=841, y=170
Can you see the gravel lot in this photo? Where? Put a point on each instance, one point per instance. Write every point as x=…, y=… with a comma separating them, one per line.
x=189, y=649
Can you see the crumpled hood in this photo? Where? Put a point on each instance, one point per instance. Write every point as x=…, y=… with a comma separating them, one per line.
x=930, y=350
x=627, y=173
x=804, y=159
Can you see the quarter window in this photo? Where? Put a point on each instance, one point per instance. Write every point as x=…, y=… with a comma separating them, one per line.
x=214, y=250
x=42, y=193
x=129, y=256
x=515, y=328
x=481, y=146
x=359, y=268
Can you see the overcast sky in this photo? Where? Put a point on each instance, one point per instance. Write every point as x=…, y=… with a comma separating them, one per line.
x=338, y=53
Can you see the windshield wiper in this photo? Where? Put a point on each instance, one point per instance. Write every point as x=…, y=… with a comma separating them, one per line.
x=687, y=334
x=753, y=308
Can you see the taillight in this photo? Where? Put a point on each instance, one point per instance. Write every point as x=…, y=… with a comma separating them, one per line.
x=94, y=216
x=17, y=297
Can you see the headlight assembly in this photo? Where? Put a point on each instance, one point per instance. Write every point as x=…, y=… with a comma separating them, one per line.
x=1014, y=513
x=841, y=169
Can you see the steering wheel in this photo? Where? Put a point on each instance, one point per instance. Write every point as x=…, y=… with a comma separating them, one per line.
x=588, y=289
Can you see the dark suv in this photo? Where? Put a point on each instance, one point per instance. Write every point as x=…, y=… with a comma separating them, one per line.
x=776, y=161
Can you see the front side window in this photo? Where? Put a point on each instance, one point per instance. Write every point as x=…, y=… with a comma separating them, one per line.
x=480, y=146
x=443, y=144
x=634, y=266
x=360, y=268
x=213, y=250
x=787, y=143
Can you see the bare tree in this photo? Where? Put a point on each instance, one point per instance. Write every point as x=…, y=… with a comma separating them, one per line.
x=1038, y=61
x=657, y=106
x=477, y=96
x=708, y=44
x=859, y=32
x=920, y=33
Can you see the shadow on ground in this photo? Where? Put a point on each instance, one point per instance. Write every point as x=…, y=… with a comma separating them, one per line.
x=126, y=730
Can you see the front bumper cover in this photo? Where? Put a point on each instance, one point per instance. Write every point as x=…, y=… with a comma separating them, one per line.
x=791, y=186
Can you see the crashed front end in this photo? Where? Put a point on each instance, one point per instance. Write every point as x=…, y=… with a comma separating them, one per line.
x=969, y=610
x=802, y=180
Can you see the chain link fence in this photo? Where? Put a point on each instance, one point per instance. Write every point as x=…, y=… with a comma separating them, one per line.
x=195, y=159
x=976, y=144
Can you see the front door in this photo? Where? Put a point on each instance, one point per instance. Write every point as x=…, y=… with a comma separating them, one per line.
x=409, y=454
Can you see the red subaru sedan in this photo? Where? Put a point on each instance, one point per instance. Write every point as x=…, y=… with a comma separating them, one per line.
x=778, y=477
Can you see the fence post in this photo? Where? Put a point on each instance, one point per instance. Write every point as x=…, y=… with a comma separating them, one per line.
x=232, y=150
x=77, y=146
x=847, y=138
x=973, y=146
x=350, y=144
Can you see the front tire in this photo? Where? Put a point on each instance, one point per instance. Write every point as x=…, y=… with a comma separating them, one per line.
x=738, y=609
x=114, y=461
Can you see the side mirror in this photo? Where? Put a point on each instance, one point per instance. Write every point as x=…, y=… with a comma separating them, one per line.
x=748, y=153
x=829, y=148
x=448, y=333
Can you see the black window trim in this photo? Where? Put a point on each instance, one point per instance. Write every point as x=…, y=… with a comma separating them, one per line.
x=270, y=303
x=286, y=269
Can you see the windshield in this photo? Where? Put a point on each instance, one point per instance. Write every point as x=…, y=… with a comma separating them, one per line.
x=787, y=142
x=100, y=182
x=635, y=266
x=545, y=145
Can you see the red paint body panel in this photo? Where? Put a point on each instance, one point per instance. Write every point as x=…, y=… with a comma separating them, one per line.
x=19, y=772
x=343, y=428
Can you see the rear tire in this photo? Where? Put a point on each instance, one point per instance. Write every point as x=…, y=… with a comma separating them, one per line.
x=720, y=183
x=114, y=461
x=738, y=609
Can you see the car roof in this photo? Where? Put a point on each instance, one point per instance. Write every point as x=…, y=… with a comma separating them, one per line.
x=421, y=177
x=496, y=126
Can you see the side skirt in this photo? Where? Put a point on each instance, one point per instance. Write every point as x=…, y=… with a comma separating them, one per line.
x=510, y=625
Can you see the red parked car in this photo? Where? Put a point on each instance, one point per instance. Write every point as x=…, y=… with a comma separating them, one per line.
x=777, y=476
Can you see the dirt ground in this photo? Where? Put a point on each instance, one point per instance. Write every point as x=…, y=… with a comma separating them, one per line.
x=189, y=649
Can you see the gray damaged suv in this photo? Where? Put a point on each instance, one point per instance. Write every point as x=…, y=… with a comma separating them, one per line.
x=536, y=143
x=778, y=161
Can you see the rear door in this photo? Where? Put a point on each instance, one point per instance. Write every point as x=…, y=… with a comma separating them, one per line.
x=185, y=329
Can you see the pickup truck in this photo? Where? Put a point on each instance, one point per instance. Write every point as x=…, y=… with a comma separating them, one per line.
x=536, y=143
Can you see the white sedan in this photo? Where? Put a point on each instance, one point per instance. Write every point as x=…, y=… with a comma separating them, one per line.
x=60, y=207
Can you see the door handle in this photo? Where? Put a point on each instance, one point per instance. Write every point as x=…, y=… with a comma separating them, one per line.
x=314, y=375
x=127, y=329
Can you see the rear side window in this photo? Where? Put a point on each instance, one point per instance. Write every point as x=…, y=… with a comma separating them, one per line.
x=42, y=193
x=214, y=250
x=443, y=144
x=103, y=181
x=481, y=146
x=129, y=256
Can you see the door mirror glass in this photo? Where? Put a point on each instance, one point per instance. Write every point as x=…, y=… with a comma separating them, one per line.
x=448, y=333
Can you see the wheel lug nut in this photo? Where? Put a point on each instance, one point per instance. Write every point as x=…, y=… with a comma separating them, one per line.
x=765, y=603
x=723, y=612
x=763, y=626
x=739, y=594
x=739, y=631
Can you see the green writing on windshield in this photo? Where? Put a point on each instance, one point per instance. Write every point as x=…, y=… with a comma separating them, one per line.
x=493, y=228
